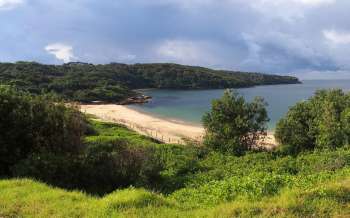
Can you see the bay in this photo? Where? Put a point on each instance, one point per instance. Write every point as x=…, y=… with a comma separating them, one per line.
x=190, y=105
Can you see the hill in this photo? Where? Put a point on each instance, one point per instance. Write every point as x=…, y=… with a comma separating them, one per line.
x=115, y=82
x=34, y=199
x=89, y=168
x=194, y=183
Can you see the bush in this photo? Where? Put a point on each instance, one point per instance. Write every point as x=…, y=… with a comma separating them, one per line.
x=100, y=169
x=56, y=169
x=42, y=138
x=233, y=125
x=322, y=122
x=36, y=124
x=117, y=164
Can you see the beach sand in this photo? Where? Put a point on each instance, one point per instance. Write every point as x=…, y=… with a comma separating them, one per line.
x=165, y=130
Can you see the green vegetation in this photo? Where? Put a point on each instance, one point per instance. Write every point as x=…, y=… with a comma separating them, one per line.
x=46, y=140
x=115, y=82
x=117, y=173
x=233, y=125
x=30, y=125
x=322, y=122
x=297, y=187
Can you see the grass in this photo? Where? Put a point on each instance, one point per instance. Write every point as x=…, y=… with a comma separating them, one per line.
x=104, y=131
x=27, y=198
x=197, y=183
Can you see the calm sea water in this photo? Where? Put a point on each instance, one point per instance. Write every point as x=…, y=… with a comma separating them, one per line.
x=191, y=105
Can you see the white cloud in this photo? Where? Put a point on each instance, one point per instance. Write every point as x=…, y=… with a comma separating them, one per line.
x=61, y=51
x=177, y=49
x=186, y=4
x=10, y=4
x=315, y=2
x=185, y=52
x=287, y=10
x=290, y=10
x=193, y=3
x=337, y=37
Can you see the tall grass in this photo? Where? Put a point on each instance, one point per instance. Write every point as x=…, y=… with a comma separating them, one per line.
x=195, y=182
x=27, y=198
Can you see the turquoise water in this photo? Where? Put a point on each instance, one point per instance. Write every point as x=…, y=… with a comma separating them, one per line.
x=191, y=105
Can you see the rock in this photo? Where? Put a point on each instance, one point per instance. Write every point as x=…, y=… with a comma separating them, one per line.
x=141, y=99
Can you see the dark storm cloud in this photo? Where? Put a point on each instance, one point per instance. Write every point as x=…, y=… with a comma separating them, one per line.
x=292, y=37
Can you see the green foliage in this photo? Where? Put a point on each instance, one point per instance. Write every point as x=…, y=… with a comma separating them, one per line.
x=118, y=164
x=106, y=132
x=114, y=82
x=197, y=183
x=234, y=125
x=36, y=124
x=44, y=139
x=32, y=199
x=320, y=122
x=223, y=178
x=194, y=181
x=105, y=164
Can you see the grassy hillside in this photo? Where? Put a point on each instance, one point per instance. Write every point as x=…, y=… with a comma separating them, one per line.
x=119, y=173
x=26, y=198
x=198, y=183
x=114, y=82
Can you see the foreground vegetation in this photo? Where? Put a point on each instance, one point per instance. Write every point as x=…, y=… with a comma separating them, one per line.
x=322, y=122
x=115, y=82
x=115, y=172
x=314, y=184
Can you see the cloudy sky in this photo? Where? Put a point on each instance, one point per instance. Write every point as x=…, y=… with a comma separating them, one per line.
x=307, y=38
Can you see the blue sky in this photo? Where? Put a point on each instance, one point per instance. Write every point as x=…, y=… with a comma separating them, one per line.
x=307, y=38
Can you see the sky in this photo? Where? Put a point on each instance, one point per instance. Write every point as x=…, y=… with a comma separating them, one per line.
x=306, y=38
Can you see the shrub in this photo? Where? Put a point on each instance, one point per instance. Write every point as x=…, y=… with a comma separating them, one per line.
x=234, y=125
x=321, y=122
x=100, y=169
x=36, y=124
x=117, y=164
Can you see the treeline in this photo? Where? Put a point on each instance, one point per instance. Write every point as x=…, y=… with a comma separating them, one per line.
x=114, y=82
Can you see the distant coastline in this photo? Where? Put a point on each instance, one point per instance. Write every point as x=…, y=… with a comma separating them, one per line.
x=115, y=82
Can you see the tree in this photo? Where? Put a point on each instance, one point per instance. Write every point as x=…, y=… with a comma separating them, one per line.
x=234, y=125
x=36, y=124
x=294, y=132
x=322, y=122
x=116, y=82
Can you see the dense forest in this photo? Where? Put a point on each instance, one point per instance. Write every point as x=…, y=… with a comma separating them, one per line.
x=115, y=82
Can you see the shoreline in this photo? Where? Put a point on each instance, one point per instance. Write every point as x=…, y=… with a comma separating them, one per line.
x=177, y=120
x=166, y=130
x=162, y=117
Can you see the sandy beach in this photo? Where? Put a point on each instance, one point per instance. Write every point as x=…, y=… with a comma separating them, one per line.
x=165, y=130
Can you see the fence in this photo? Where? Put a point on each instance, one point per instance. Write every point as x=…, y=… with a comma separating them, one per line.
x=150, y=132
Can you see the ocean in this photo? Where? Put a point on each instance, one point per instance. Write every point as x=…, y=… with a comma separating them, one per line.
x=190, y=105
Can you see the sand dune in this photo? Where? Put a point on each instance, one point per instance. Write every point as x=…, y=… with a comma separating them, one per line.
x=165, y=130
